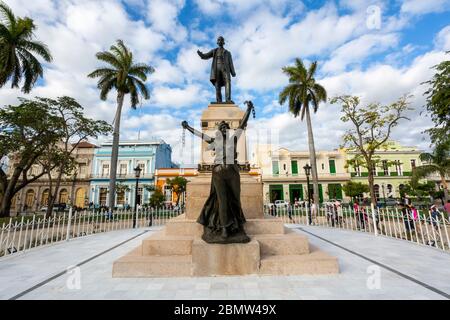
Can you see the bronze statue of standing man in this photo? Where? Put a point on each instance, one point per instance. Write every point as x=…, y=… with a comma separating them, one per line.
x=221, y=70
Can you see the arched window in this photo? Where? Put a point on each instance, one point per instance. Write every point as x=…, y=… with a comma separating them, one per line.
x=63, y=196
x=44, y=197
x=390, y=191
x=29, y=199
x=376, y=190
x=80, y=198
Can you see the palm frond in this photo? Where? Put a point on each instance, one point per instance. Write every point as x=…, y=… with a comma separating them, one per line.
x=426, y=157
x=102, y=72
x=106, y=88
x=109, y=58
x=424, y=171
x=312, y=70
x=142, y=88
x=37, y=47
x=7, y=15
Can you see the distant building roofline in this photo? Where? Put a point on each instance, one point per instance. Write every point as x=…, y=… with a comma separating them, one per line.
x=136, y=142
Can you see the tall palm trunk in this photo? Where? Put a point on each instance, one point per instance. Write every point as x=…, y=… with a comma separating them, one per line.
x=312, y=156
x=445, y=185
x=115, y=152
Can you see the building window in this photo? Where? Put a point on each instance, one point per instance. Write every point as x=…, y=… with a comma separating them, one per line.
x=275, y=168
x=294, y=167
x=332, y=163
x=121, y=197
x=123, y=169
x=413, y=164
x=103, y=196
x=385, y=168
x=35, y=170
x=44, y=197
x=82, y=169
x=374, y=169
x=168, y=193
x=63, y=196
x=139, y=196
x=376, y=189
x=29, y=200
x=389, y=191
x=398, y=167
x=105, y=170
x=142, y=166
x=358, y=170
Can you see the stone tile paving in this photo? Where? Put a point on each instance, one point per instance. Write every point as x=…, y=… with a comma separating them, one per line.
x=430, y=266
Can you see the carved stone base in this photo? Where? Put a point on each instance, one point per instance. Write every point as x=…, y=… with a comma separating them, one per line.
x=198, y=190
x=178, y=251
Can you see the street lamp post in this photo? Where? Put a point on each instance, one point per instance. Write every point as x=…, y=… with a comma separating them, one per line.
x=137, y=173
x=307, y=169
x=384, y=194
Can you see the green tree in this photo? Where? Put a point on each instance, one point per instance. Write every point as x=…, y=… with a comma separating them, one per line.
x=73, y=129
x=18, y=49
x=23, y=140
x=438, y=103
x=303, y=93
x=437, y=162
x=355, y=189
x=420, y=190
x=126, y=77
x=372, y=128
x=157, y=199
x=178, y=186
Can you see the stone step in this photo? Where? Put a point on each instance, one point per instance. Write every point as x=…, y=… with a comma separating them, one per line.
x=162, y=245
x=315, y=263
x=230, y=259
x=187, y=227
x=264, y=226
x=290, y=243
x=135, y=266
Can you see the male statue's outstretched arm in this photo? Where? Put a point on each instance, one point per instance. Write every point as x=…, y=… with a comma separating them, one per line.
x=205, y=56
x=197, y=133
x=244, y=121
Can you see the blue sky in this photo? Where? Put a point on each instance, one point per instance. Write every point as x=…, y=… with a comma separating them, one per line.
x=379, y=59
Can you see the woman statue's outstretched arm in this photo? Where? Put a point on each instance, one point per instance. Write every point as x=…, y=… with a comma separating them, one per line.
x=197, y=133
x=244, y=121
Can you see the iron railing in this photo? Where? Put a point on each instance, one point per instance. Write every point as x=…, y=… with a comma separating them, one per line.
x=26, y=232
x=421, y=227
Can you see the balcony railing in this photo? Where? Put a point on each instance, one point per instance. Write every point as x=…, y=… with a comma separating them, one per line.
x=123, y=176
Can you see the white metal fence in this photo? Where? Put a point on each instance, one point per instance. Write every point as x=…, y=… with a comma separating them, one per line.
x=23, y=233
x=426, y=228
x=421, y=227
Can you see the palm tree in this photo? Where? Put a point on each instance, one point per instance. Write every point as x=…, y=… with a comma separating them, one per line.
x=437, y=162
x=302, y=93
x=126, y=77
x=16, y=51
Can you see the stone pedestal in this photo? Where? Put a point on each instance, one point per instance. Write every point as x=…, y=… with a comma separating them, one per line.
x=251, y=195
x=179, y=251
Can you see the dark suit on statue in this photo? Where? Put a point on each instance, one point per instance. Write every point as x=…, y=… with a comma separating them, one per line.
x=221, y=72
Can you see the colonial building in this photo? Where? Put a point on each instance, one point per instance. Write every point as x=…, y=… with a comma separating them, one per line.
x=73, y=190
x=148, y=155
x=394, y=169
x=161, y=176
x=284, y=177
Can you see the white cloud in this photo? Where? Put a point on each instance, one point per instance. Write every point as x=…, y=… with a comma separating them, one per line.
x=420, y=7
x=163, y=96
x=355, y=51
x=442, y=40
x=163, y=15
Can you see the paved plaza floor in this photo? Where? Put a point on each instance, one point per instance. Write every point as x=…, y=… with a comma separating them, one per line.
x=371, y=268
